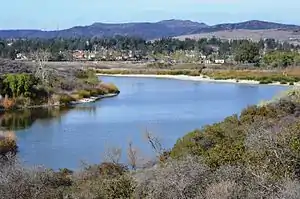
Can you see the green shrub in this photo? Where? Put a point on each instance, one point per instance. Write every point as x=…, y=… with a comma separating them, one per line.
x=283, y=82
x=104, y=169
x=65, y=99
x=223, y=143
x=108, y=88
x=85, y=74
x=265, y=82
x=84, y=93
x=94, y=92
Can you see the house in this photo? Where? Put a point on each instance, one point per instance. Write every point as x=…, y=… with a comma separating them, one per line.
x=219, y=61
x=207, y=61
x=119, y=58
x=202, y=56
x=78, y=54
x=20, y=56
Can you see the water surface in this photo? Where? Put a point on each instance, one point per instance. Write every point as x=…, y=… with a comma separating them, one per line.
x=168, y=108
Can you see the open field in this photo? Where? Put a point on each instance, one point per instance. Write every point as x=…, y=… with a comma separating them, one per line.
x=255, y=35
x=288, y=76
x=217, y=72
x=130, y=65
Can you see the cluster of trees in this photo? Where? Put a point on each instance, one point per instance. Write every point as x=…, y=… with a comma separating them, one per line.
x=281, y=58
x=15, y=85
x=60, y=47
x=20, y=89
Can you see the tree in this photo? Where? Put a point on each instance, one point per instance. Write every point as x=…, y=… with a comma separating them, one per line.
x=41, y=57
x=247, y=52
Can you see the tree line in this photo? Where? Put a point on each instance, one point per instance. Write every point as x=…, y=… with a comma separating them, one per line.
x=61, y=49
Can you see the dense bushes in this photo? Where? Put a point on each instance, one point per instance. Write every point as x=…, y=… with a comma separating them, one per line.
x=20, y=90
x=28, y=183
x=104, y=181
x=187, y=177
x=106, y=88
x=281, y=58
x=15, y=85
x=7, y=145
x=274, y=127
x=65, y=99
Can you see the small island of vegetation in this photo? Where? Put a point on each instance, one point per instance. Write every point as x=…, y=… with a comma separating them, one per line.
x=43, y=86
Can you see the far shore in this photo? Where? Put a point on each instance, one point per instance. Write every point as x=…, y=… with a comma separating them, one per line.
x=197, y=78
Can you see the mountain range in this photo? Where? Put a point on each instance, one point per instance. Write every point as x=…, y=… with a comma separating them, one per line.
x=147, y=30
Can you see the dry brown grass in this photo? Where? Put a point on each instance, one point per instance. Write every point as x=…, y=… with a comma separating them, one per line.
x=8, y=103
x=8, y=143
x=108, y=88
x=255, y=35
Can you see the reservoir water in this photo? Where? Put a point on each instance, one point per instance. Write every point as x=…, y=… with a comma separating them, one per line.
x=62, y=138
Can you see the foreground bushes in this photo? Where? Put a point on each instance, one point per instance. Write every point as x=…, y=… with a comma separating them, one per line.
x=265, y=138
x=187, y=177
x=7, y=145
x=19, y=182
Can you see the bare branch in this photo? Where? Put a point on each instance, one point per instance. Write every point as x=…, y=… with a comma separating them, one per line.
x=155, y=143
x=132, y=156
x=113, y=155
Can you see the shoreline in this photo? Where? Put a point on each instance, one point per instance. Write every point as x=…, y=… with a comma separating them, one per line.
x=197, y=78
x=109, y=95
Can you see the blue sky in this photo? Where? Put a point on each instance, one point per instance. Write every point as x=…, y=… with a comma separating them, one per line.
x=53, y=14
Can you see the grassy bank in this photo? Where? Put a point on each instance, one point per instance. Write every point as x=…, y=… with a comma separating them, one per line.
x=262, y=76
x=150, y=71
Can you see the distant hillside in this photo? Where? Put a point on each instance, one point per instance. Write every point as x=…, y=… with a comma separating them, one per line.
x=247, y=25
x=237, y=34
x=166, y=28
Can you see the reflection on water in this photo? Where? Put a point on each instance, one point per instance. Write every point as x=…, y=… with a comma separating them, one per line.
x=61, y=137
x=23, y=119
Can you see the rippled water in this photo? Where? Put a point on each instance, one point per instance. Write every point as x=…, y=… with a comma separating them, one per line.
x=168, y=108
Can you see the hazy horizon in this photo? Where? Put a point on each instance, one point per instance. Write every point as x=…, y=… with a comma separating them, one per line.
x=142, y=22
x=55, y=14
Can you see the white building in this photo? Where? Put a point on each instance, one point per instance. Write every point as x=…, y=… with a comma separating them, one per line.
x=219, y=61
x=207, y=61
